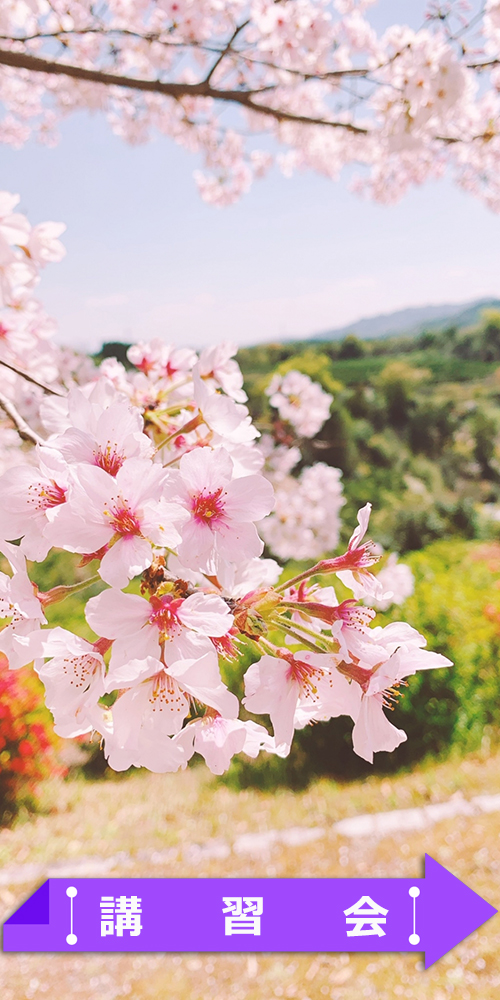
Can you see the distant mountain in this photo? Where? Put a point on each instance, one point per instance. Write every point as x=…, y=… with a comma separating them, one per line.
x=408, y=322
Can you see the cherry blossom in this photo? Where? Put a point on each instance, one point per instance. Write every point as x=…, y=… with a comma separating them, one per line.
x=396, y=579
x=277, y=687
x=139, y=744
x=30, y=498
x=181, y=627
x=359, y=579
x=217, y=739
x=216, y=363
x=122, y=515
x=300, y=401
x=373, y=731
x=221, y=510
x=229, y=421
x=305, y=523
x=104, y=429
x=19, y=602
x=161, y=359
x=155, y=704
x=73, y=678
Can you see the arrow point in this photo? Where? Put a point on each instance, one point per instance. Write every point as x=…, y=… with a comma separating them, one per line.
x=450, y=911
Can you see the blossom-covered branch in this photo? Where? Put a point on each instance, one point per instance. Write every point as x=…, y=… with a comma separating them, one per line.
x=154, y=474
x=312, y=75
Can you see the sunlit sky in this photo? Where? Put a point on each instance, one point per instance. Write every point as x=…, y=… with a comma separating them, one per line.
x=146, y=257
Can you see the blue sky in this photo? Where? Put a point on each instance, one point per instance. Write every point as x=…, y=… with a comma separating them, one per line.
x=146, y=257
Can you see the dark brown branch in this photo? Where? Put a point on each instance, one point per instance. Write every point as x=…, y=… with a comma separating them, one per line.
x=107, y=33
x=35, y=64
x=23, y=429
x=483, y=65
x=226, y=50
x=30, y=378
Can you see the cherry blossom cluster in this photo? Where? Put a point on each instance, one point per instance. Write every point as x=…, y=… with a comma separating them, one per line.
x=300, y=401
x=26, y=332
x=153, y=477
x=149, y=476
x=305, y=522
x=24, y=249
x=312, y=76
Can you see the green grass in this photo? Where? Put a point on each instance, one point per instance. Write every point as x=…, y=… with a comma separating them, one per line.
x=443, y=368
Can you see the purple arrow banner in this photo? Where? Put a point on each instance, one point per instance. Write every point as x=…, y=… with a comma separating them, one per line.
x=431, y=915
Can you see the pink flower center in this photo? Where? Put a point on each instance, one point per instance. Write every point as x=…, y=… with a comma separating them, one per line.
x=123, y=521
x=213, y=722
x=164, y=616
x=305, y=675
x=81, y=669
x=109, y=459
x=44, y=495
x=208, y=507
x=167, y=695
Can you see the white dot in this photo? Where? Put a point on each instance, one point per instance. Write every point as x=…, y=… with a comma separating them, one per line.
x=71, y=891
x=414, y=891
x=414, y=939
x=72, y=939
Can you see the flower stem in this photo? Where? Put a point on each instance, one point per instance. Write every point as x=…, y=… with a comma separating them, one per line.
x=57, y=594
x=284, y=624
x=298, y=579
x=190, y=426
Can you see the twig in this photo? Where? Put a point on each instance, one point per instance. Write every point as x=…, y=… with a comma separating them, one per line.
x=226, y=50
x=23, y=429
x=30, y=378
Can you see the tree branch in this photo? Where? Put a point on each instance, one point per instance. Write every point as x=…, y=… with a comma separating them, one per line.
x=23, y=429
x=226, y=50
x=483, y=65
x=35, y=64
x=30, y=378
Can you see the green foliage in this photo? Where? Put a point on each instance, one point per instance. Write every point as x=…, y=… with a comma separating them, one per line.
x=414, y=426
x=352, y=347
x=315, y=364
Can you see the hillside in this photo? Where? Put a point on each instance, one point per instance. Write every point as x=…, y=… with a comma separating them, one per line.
x=410, y=322
x=414, y=426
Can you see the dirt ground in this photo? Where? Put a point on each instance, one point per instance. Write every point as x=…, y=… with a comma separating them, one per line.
x=191, y=825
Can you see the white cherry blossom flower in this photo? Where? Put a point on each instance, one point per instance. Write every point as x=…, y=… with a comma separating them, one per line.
x=20, y=603
x=105, y=429
x=154, y=707
x=279, y=686
x=180, y=627
x=218, y=739
x=300, y=401
x=122, y=514
x=216, y=363
x=73, y=678
x=30, y=498
x=221, y=510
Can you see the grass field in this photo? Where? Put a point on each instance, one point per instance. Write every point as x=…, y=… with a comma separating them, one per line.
x=191, y=825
